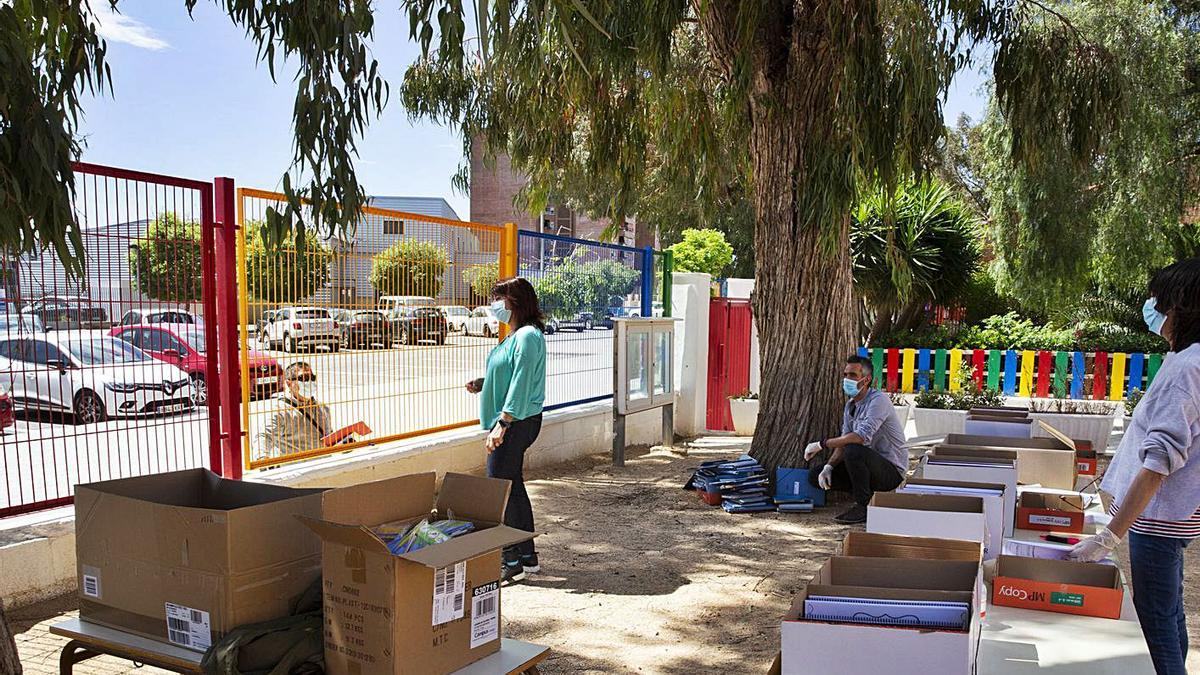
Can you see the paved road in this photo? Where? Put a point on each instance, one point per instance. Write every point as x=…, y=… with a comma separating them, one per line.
x=394, y=391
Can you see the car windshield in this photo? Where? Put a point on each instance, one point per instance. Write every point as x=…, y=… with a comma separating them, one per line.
x=312, y=314
x=22, y=322
x=192, y=338
x=105, y=351
x=368, y=315
x=456, y=311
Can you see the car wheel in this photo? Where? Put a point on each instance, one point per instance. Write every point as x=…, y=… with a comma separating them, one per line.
x=199, y=390
x=441, y=340
x=89, y=408
x=335, y=347
x=404, y=337
x=345, y=341
x=264, y=342
x=289, y=344
x=487, y=331
x=551, y=328
x=587, y=325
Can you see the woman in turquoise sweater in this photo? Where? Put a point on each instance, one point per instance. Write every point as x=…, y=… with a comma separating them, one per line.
x=511, y=395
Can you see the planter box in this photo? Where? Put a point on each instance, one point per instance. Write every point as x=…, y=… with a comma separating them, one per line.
x=903, y=412
x=931, y=421
x=744, y=412
x=1095, y=428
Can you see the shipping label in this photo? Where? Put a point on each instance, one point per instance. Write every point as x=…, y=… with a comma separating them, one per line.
x=485, y=614
x=449, y=593
x=189, y=627
x=1052, y=521
x=90, y=586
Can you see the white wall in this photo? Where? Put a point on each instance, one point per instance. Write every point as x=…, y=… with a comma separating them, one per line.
x=690, y=301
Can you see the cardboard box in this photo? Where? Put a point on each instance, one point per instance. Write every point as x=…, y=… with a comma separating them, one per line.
x=183, y=557
x=1052, y=467
x=875, y=545
x=993, y=506
x=812, y=646
x=434, y=610
x=1050, y=512
x=1001, y=411
x=998, y=466
x=998, y=425
x=917, y=515
x=1089, y=589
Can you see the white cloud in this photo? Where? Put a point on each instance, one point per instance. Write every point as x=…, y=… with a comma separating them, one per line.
x=116, y=27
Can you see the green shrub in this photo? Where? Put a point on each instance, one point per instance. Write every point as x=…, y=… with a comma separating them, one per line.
x=410, y=267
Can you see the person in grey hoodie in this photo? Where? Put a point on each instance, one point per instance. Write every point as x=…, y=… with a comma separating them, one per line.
x=1154, y=478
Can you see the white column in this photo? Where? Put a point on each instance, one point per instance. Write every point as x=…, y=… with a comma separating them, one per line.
x=690, y=302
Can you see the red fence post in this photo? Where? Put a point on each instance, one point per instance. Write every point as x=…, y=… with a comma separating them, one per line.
x=208, y=292
x=228, y=339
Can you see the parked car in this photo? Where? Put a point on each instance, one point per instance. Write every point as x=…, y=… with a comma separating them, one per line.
x=184, y=346
x=7, y=411
x=363, y=327
x=483, y=322
x=92, y=377
x=56, y=314
x=390, y=304
x=412, y=325
x=580, y=322
x=146, y=315
x=300, y=327
x=25, y=322
x=456, y=317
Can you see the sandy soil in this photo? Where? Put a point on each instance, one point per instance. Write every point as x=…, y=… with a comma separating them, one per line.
x=641, y=577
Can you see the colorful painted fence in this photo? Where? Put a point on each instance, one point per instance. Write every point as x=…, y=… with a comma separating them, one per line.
x=1027, y=373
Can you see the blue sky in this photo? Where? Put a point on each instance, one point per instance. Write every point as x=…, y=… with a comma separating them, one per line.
x=189, y=100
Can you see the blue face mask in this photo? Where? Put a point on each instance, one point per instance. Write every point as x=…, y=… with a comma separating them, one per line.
x=850, y=386
x=503, y=314
x=1154, y=318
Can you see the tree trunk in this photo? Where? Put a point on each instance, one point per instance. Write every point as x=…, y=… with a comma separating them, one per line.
x=883, y=324
x=9, y=663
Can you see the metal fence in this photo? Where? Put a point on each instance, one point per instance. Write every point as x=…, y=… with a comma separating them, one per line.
x=363, y=312
x=107, y=371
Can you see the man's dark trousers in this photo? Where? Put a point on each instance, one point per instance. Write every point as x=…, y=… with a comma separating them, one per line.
x=862, y=472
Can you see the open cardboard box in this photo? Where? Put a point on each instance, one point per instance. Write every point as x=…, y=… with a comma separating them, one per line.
x=875, y=545
x=1052, y=467
x=984, y=466
x=185, y=556
x=1089, y=589
x=433, y=610
x=993, y=506
x=998, y=425
x=918, y=515
x=807, y=643
x=1050, y=511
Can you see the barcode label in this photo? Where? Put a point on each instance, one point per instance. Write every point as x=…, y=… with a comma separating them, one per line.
x=91, y=586
x=449, y=590
x=485, y=614
x=188, y=627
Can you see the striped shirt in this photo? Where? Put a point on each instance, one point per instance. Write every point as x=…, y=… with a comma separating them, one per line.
x=1175, y=529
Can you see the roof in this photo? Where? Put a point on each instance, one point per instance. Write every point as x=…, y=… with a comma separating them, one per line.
x=428, y=206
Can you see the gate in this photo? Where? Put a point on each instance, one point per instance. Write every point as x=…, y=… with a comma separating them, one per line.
x=729, y=327
x=108, y=371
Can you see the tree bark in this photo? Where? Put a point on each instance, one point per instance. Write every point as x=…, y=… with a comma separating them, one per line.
x=9, y=662
x=803, y=306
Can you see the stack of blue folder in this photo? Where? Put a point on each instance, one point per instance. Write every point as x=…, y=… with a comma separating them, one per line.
x=742, y=483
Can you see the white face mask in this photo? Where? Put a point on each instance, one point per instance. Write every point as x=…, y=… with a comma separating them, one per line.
x=306, y=389
x=501, y=311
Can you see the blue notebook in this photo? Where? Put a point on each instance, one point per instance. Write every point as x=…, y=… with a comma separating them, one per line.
x=912, y=613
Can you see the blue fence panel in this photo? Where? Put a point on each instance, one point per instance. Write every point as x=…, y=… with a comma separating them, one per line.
x=1078, y=373
x=1010, y=372
x=582, y=285
x=1137, y=365
x=922, y=370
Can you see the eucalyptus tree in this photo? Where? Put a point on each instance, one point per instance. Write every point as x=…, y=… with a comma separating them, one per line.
x=812, y=100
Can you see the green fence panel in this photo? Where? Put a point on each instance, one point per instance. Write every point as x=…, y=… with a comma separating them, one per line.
x=1155, y=362
x=1060, y=374
x=939, y=370
x=993, y=370
x=877, y=366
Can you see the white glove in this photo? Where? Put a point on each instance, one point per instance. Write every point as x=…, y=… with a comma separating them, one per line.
x=825, y=479
x=811, y=450
x=1095, y=548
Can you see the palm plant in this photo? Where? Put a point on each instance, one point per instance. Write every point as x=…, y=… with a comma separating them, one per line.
x=915, y=246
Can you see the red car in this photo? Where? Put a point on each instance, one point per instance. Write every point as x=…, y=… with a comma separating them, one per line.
x=183, y=345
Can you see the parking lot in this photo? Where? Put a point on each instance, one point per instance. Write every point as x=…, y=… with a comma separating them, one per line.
x=394, y=390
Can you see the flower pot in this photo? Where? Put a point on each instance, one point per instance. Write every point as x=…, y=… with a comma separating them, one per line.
x=903, y=412
x=933, y=421
x=745, y=415
x=1095, y=428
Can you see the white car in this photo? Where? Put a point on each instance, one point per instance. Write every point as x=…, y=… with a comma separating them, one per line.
x=144, y=315
x=92, y=378
x=300, y=327
x=483, y=322
x=391, y=304
x=456, y=317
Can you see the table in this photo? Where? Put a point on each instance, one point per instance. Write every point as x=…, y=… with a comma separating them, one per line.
x=89, y=640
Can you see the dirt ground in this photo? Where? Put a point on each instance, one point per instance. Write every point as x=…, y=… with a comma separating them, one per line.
x=638, y=575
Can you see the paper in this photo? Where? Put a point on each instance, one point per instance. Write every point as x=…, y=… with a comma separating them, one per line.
x=91, y=582
x=449, y=591
x=188, y=627
x=485, y=614
x=919, y=613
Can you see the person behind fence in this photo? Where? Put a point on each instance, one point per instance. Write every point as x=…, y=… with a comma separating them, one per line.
x=296, y=421
x=512, y=393
x=870, y=456
x=1154, y=477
